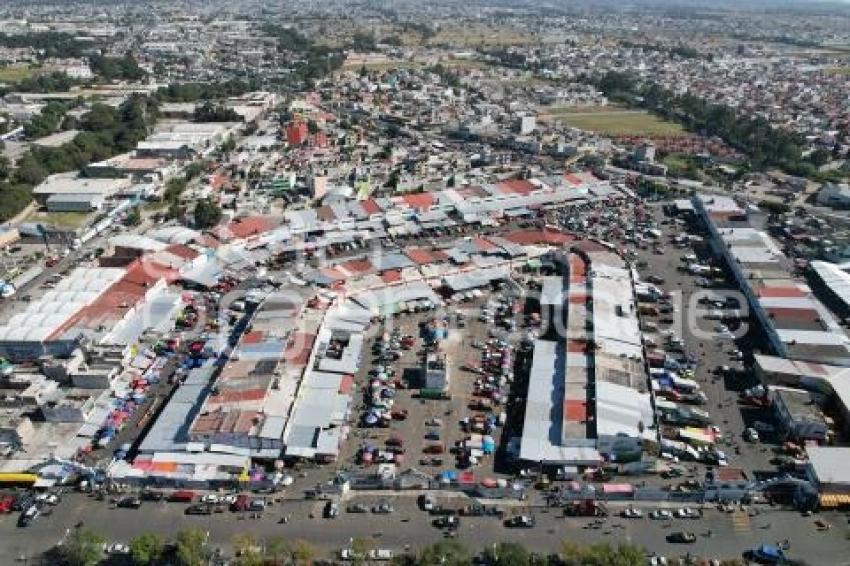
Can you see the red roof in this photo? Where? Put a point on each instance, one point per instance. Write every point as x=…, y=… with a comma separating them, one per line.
x=346, y=384
x=483, y=245
x=517, y=186
x=332, y=274
x=358, y=266
x=237, y=396
x=209, y=241
x=243, y=227
x=575, y=411
x=182, y=251
x=572, y=179
x=793, y=314
x=125, y=293
x=419, y=200
x=781, y=292
x=576, y=346
x=370, y=206
x=391, y=276
x=528, y=237
x=591, y=246
x=420, y=256
x=298, y=348
x=578, y=299
x=253, y=337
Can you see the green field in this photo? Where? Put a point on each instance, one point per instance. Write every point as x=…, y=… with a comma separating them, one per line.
x=615, y=122
x=15, y=74
x=60, y=219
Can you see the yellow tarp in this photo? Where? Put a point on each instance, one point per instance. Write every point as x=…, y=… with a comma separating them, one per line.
x=834, y=499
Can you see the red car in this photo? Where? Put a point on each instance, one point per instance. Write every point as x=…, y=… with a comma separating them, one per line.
x=7, y=502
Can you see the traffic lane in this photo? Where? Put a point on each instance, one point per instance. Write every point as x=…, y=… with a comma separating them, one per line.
x=729, y=538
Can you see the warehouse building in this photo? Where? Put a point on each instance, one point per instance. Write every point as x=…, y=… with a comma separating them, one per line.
x=586, y=405
x=796, y=324
x=73, y=192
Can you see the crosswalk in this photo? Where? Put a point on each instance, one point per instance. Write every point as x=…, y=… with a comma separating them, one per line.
x=741, y=522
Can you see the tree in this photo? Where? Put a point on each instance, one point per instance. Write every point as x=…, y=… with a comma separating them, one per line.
x=574, y=554
x=228, y=145
x=360, y=547
x=209, y=112
x=147, y=549
x=190, y=547
x=247, y=550
x=277, y=549
x=207, y=214
x=5, y=167
x=507, y=554
x=175, y=211
x=303, y=553
x=774, y=207
x=194, y=169
x=30, y=172
x=134, y=217
x=174, y=188
x=84, y=547
x=445, y=553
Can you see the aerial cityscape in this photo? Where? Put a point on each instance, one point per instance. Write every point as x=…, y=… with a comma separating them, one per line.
x=506, y=283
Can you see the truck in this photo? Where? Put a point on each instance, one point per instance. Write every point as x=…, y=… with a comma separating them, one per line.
x=182, y=496
x=586, y=508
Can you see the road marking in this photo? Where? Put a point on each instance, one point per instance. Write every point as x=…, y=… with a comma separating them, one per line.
x=741, y=522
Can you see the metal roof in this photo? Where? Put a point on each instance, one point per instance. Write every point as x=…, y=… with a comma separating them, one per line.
x=837, y=280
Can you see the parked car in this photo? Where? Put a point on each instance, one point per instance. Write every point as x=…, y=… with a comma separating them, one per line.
x=683, y=537
x=447, y=522
x=199, y=509
x=357, y=508
x=426, y=502
x=129, y=502
x=520, y=522
x=382, y=507
x=632, y=513
x=380, y=554
x=661, y=514
x=687, y=513
x=117, y=548
x=331, y=510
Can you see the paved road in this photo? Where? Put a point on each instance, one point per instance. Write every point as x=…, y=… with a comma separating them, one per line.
x=731, y=533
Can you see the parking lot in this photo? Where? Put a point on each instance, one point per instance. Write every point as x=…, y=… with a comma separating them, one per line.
x=426, y=429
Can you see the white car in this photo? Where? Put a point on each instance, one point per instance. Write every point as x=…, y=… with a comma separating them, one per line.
x=687, y=513
x=286, y=481
x=632, y=513
x=751, y=435
x=210, y=498
x=349, y=554
x=228, y=499
x=118, y=548
x=380, y=554
x=660, y=514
